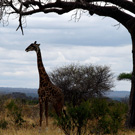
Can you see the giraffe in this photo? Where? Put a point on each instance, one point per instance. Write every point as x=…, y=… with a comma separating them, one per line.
x=47, y=91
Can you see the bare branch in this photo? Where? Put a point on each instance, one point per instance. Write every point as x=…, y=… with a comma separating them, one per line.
x=20, y=20
x=20, y=24
x=29, y=7
x=118, y=25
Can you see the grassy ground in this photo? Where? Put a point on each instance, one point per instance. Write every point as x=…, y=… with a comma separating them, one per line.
x=30, y=114
x=31, y=132
x=51, y=130
x=27, y=130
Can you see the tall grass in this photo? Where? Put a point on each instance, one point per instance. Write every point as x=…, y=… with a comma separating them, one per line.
x=23, y=119
x=50, y=130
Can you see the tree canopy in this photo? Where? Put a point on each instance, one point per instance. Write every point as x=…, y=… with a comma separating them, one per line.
x=112, y=8
x=124, y=76
x=81, y=82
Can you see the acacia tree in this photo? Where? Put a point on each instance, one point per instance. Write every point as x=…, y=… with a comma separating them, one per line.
x=80, y=82
x=116, y=9
x=124, y=76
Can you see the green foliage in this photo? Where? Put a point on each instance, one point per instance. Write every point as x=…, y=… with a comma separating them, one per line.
x=109, y=115
x=75, y=120
x=32, y=102
x=65, y=123
x=3, y=124
x=99, y=107
x=15, y=112
x=117, y=115
x=80, y=115
x=11, y=106
x=125, y=76
x=97, y=116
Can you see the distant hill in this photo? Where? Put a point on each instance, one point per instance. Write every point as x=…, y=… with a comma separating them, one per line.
x=33, y=92
x=117, y=95
x=27, y=91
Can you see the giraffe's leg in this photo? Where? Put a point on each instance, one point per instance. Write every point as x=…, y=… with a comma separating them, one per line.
x=41, y=113
x=46, y=111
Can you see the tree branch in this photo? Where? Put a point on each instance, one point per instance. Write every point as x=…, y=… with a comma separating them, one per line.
x=124, y=4
x=61, y=7
x=64, y=7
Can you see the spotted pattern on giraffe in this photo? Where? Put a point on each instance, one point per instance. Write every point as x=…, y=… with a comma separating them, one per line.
x=47, y=91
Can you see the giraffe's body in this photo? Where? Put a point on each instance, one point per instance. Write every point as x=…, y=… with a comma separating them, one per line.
x=47, y=91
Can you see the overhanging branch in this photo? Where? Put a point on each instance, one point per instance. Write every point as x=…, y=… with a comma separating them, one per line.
x=61, y=7
x=124, y=4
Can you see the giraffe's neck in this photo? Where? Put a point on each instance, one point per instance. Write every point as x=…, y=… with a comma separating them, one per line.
x=43, y=76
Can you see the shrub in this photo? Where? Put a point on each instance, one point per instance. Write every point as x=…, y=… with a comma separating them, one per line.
x=75, y=120
x=3, y=124
x=112, y=120
x=99, y=107
x=15, y=113
x=97, y=116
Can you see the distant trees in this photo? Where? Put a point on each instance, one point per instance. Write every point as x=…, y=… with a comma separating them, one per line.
x=81, y=82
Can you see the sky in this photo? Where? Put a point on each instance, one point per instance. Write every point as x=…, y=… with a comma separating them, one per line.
x=91, y=40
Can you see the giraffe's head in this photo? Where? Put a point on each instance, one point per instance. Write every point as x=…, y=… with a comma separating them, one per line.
x=33, y=47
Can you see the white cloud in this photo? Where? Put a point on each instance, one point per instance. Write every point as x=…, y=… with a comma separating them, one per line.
x=91, y=40
x=92, y=60
x=56, y=29
x=23, y=65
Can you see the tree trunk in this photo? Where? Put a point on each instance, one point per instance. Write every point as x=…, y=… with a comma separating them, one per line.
x=131, y=116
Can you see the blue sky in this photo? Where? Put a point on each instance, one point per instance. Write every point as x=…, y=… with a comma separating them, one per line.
x=91, y=40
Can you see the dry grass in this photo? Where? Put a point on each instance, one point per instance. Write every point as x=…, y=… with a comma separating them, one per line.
x=126, y=133
x=30, y=114
x=27, y=130
x=31, y=126
x=31, y=132
x=50, y=130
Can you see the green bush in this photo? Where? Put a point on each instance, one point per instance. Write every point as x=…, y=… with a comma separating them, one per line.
x=80, y=115
x=97, y=116
x=111, y=116
x=99, y=107
x=75, y=120
x=117, y=113
x=15, y=112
